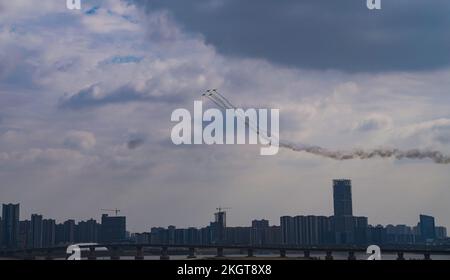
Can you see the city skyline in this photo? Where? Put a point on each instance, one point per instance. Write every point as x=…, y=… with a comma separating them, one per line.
x=142, y=228
x=342, y=227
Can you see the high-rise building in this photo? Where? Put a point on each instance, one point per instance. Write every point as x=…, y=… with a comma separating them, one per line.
x=427, y=228
x=238, y=235
x=87, y=231
x=361, y=225
x=1, y=233
x=113, y=229
x=343, y=221
x=287, y=225
x=69, y=232
x=25, y=234
x=48, y=233
x=142, y=238
x=10, y=225
x=342, y=198
x=36, y=231
x=59, y=234
x=377, y=235
x=218, y=227
x=441, y=232
x=311, y=230
x=273, y=235
x=259, y=231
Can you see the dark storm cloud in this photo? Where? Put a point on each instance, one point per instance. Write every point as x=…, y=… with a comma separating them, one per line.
x=92, y=97
x=322, y=34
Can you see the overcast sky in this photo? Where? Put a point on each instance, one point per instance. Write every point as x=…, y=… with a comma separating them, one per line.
x=86, y=98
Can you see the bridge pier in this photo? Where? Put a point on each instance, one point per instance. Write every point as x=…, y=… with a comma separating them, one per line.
x=91, y=254
x=139, y=253
x=29, y=254
x=400, y=256
x=164, y=254
x=307, y=254
x=282, y=253
x=48, y=255
x=351, y=256
x=250, y=253
x=427, y=256
x=329, y=256
x=191, y=253
x=115, y=254
x=220, y=252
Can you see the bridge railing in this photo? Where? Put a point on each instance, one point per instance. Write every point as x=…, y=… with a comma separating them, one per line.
x=116, y=250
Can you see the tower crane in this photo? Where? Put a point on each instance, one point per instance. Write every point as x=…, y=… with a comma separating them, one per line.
x=116, y=211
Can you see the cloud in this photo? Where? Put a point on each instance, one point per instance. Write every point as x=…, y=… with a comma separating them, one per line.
x=80, y=140
x=93, y=96
x=373, y=122
x=406, y=35
x=135, y=143
x=92, y=122
x=433, y=131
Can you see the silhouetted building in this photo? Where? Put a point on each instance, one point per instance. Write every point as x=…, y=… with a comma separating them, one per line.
x=218, y=232
x=238, y=235
x=142, y=238
x=205, y=236
x=48, y=233
x=400, y=234
x=427, y=228
x=87, y=231
x=69, y=232
x=157, y=235
x=377, y=235
x=273, y=235
x=259, y=231
x=25, y=234
x=10, y=225
x=59, y=234
x=171, y=234
x=441, y=233
x=36, y=231
x=113, y=229
x=305, y=230
x=360, y=231
x=288, y=230
x=342, y=197
x=342, y=221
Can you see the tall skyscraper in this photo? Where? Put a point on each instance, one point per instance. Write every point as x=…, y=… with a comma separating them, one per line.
x=36, y=231
x=343, y=220
x=10, y=225
x=342, y=198
x=427, y=227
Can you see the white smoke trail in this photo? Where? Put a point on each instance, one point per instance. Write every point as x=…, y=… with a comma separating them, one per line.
x=435, y=156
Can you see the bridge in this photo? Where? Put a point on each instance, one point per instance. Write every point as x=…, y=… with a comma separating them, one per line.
x=117, y=250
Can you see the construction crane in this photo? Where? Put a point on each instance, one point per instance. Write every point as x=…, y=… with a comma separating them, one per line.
x=112, y=210
x=219, y=209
